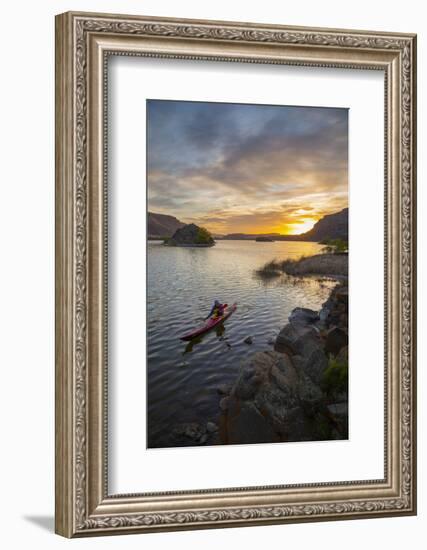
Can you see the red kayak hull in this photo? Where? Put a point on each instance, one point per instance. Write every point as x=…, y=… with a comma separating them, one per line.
x=210, y=324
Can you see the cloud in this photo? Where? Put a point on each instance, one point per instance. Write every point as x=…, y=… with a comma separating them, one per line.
x=247, y=163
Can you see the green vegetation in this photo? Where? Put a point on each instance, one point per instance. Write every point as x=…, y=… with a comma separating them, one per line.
x=203, y=236
x=334, y=246
x=335, y=377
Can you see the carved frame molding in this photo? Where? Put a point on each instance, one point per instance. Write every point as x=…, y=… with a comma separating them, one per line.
x=83, y=43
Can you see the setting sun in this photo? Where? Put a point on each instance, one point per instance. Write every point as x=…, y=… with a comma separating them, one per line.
x=300, y=226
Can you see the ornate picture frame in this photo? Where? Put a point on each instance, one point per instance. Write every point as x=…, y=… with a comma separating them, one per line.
x=83, y=43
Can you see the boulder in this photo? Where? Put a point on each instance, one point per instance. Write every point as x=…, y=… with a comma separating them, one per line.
x=298, y=427
x=310, y=395
x=339, y=413
x=312, y=364
x=276, y=403
x=284, y=365
x=336, y=339
x=268, y=380
x=250, y=426
x=303, y=316
x=224, y=403
x=211, y=427
x=224, y=389
x=335, y=310
x=254, y=371
x=283, y=373
x=248, y=340
x=294, y=338
x=194, y=431
x=306, y=348
x=189, y=434
x=343, y=320
x=342, y=356
x=324, y=313
x=341, y=294
x=246, y=385
x=338, y=409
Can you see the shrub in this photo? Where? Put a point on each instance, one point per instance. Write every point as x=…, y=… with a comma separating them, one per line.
x=335, y=377
x=203, y=236
x=334, y=246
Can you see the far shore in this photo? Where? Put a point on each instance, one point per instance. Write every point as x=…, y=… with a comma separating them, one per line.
x=189, y=245
x=252, y=239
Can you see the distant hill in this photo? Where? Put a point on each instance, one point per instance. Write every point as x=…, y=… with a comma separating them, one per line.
x=333, y=226
x=248, y=236
x=161, y=225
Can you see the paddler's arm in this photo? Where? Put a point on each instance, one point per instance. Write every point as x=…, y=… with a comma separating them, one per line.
x=210, y=313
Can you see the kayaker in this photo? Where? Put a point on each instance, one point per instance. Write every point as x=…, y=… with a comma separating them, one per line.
x=217, y=310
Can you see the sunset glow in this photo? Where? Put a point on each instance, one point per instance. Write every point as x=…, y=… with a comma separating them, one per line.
x=236, y=168
x=300, y=226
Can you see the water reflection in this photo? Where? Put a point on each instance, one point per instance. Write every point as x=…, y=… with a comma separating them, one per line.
x=219, y=331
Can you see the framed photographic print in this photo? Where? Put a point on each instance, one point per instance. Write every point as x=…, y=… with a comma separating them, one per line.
x=235, y=274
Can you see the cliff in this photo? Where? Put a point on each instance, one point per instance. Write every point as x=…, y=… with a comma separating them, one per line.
x=333, y=226
x=161, y=225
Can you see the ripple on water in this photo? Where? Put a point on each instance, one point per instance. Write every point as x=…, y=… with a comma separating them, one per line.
x=182, y=283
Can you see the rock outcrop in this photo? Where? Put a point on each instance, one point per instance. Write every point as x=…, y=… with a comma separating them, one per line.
x=332, y=226
x=191, y=235
x=298, y=392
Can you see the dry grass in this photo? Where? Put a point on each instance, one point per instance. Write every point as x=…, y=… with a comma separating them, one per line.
x=320, y=264
x=270, y=269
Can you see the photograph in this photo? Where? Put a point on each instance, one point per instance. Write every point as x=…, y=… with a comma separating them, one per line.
x=247, y=273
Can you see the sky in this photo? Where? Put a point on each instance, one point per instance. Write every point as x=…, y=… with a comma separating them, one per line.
x=237, y=168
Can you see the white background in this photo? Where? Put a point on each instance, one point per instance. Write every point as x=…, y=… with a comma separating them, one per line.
x=27, y=274
x=133, y=468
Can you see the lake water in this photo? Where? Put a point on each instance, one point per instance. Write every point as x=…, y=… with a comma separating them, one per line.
x=183, y=378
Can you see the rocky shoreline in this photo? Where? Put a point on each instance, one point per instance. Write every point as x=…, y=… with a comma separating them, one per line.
x=299, y=391
x=296, y=392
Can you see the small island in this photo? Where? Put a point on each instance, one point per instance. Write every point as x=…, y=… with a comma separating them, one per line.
x=191, y=235
x=262, y=239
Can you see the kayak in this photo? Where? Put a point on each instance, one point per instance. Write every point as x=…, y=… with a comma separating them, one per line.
x=210, y=323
